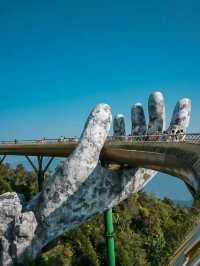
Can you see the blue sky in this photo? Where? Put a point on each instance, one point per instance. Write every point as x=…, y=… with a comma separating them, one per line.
x=60, y=58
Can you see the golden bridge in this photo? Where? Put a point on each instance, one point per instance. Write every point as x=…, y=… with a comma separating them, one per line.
x=176, y=155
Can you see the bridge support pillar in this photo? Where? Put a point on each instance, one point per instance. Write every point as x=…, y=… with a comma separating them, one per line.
x=108, y=224
x=191, y=190
x=110, y=245
x=40, y=170
x=2, y=159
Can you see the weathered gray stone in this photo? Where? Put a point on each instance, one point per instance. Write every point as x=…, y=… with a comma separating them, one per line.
x=181, y=115
x=119, y=126
x=156, y=109
x=25, y=226
x=17, y=229
x=79, y=189
x=138, y=120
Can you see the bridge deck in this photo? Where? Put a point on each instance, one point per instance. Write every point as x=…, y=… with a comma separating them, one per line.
x=169, y=155
x=64, y=149
x=174, y=155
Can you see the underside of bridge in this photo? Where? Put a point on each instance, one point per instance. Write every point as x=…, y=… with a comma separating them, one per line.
x=173, y=159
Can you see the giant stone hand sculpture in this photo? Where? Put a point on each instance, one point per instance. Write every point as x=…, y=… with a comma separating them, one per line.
x=81, y=187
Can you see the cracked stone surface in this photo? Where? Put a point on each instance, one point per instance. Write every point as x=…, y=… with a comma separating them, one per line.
x=181, y=115
x=138, y=120
x=17, y=229
x=156, y=108
x=80, y=187
x=119, y=126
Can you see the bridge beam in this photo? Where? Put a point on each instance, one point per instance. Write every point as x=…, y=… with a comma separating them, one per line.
x=40, y=170
x=2, y=159
x=191, y=189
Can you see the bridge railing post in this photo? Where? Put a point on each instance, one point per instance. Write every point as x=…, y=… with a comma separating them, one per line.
x=2, y=159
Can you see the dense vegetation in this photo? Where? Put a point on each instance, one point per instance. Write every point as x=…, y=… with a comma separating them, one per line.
x=147, y=229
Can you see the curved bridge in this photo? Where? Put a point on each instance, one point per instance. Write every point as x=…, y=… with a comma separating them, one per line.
x=175, y=155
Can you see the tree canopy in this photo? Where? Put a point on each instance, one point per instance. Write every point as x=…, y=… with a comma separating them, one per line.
x=147, y=230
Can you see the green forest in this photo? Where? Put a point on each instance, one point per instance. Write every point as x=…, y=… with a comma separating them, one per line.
x=147, y=230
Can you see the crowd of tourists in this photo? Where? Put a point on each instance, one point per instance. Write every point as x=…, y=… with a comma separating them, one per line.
x=167, y=136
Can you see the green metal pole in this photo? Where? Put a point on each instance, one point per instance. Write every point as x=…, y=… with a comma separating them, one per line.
x=109, y=237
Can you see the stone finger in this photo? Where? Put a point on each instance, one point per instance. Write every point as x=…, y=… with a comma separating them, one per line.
x=138, y=120
x=156, y=108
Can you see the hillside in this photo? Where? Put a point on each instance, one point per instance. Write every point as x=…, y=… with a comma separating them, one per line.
x=147, y=230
